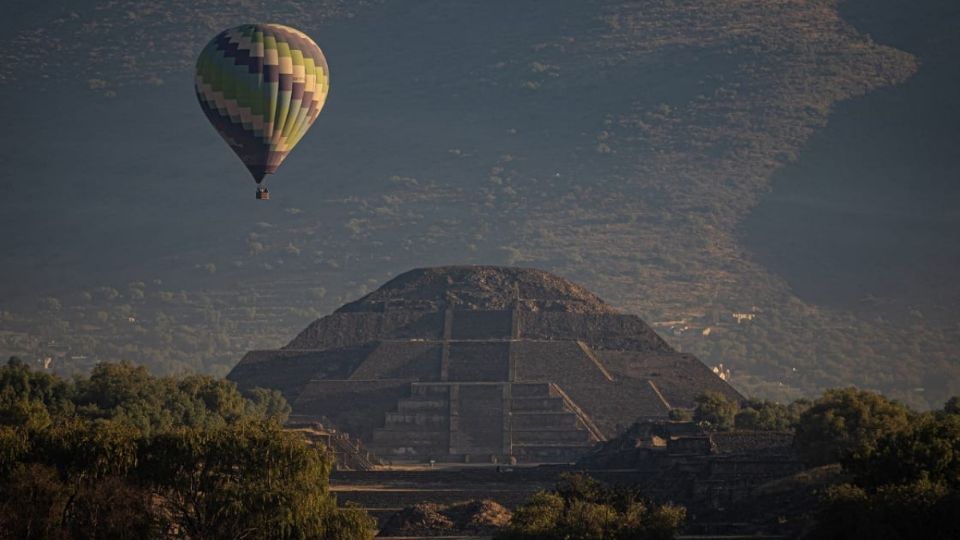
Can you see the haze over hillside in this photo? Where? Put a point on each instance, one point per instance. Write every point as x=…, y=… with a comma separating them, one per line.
x=867, y=218
x=630, y=147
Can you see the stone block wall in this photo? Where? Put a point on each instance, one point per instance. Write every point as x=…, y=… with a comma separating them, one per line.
x=679, y=377
x=555, y=361
x=476, y=423
x=468, y=325
x=479, y=421
x=479, y=361
x=369, y=402
x=598, y=330
x=290, y=370
x=417, y=360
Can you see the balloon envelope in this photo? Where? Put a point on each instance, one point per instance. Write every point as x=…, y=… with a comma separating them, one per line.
x=262, y=86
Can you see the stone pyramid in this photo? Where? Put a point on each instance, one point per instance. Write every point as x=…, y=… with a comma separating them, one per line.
x=468, y=363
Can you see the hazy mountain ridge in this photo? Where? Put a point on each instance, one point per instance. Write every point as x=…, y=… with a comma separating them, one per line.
x=119, y=43
x=617, y=144
x=867, y=216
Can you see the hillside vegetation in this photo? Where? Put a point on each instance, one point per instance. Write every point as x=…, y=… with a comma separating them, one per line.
x=618, y=144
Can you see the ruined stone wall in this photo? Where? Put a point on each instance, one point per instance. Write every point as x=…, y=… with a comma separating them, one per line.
x=554, y=361
x=479, y=361
x=419, y=428
x=357, y=407
x=481, y=325
x=679, y=377
x=599, y=330
x=689, y=379
x=611, y=404
x=615, y=406
x=478, y=426
x=417, y=360
x=289, y=370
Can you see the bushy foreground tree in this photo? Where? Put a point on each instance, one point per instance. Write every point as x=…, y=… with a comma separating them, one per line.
x=846, y=424
x=581, y=508
x=716, y=412
x=248, y=480
x=890, y=512
x=122, y=454
x=904, y=465
x=906, y=478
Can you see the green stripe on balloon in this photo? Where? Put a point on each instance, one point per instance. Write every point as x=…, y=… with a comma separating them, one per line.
x=234, y=80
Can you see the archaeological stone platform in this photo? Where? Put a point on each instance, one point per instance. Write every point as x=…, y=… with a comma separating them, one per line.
x=479, y=364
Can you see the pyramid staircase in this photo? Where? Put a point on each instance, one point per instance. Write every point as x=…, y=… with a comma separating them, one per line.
x=529, y=422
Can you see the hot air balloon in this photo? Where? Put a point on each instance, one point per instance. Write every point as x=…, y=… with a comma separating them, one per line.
x=262, y=86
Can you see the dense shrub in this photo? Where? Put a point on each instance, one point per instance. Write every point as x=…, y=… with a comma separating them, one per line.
x=906, y=480
x=123, y=454
x=846, y=424
x=582, y=508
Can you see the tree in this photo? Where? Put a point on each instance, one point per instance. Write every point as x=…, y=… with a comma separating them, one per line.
x=218, y=396
x=268, y=403
x=32, y=505
x=952, y=406
x=763, y=415
x=19, y=383
x=906, y=484
x=114, y=386
x=537, y=518
x=582, y=508
x=112, y=508
x=70, y=484
x=28, y=414
x=37, y=503
x=81, y=449
x=892, y=512
x=249, y=480
x=714, y=411
x=846, y=424
x=14, y=445
x=123, y=454
x=129, y=394
x=927, y=451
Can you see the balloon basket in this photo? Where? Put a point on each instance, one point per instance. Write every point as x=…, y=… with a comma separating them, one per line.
x=263, y=195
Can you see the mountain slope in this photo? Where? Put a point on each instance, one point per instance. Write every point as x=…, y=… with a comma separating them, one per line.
x=617, y=144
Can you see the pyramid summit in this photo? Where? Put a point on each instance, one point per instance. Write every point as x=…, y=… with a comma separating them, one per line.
x=478, y=288
x=480, y=362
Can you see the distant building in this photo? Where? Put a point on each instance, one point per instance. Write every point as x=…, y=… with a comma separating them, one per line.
x=722, y=372
x=703, y=470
